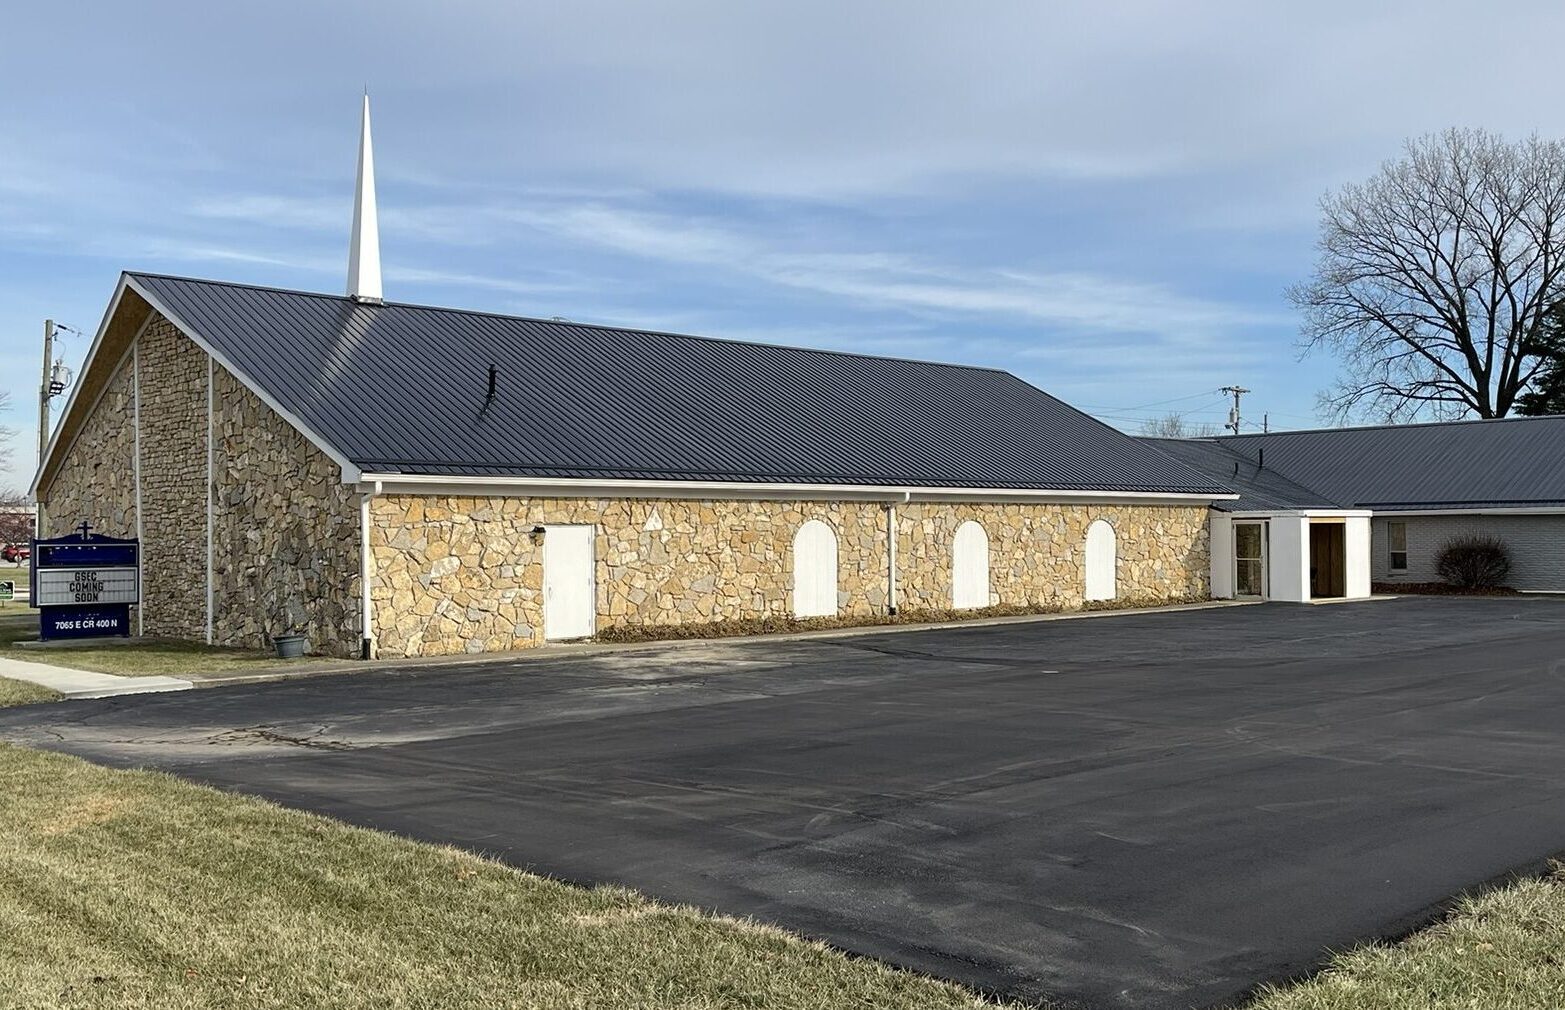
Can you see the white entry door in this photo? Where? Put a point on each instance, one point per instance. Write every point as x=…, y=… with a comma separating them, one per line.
x=815, y=570
x=1102, y=561
x=970, y=567
x=570, y=593
x=1250, y=560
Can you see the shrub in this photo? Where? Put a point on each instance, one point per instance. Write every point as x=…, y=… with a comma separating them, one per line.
x=1474, y=562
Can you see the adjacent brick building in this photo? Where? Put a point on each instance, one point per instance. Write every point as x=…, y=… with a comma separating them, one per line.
x=406, y=480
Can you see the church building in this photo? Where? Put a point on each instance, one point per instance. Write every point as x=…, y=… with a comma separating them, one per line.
x=404, y=480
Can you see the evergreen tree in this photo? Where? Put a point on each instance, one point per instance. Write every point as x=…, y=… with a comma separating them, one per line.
x=1546, y=392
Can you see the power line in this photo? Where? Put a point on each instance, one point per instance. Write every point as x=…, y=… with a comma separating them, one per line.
x=1156, y=403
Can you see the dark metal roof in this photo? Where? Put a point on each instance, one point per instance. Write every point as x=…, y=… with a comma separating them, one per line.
x=1261, y=488
x=1478, y=464
x=401, y=388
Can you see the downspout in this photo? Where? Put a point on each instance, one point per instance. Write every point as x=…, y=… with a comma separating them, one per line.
x=891, y=551
x=211, y=506
x=366, y=611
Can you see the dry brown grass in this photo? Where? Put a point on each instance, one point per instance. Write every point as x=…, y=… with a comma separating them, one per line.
x=21, y=692
x=138, y=658
x=137, y=891
x=778, y=625
x=1502, y=950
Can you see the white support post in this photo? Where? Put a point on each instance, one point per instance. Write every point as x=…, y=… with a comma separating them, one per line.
x=366, y=606
x=135, y=394
x=210, y=504
x=891, y=558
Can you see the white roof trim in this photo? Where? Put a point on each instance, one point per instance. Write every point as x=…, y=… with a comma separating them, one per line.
x=1302, y=514
x=350, y=472
x=554, y=487
x=1499, y=510
x=70, y=401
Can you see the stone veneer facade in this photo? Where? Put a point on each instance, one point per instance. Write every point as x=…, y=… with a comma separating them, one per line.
x=464, y=575
x=285, y=550
x=171, y=373
x=284, y=529
x=97, y=482
x=281, y=551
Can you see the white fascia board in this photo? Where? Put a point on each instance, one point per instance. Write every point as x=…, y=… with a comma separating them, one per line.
x=1520, y=510
x=550, y=487
x=70, y=401
x=1302, y=514
x=350, y=472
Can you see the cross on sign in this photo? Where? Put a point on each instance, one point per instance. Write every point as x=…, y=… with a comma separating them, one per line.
x=86, y=530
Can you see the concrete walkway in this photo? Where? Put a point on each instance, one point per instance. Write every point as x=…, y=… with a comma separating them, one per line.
x=85, y=683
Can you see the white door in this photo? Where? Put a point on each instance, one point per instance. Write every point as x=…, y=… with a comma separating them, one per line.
x=1250, y=560
x=970, y=567
x=1102, y=560
x=815, y=570
x=570, y=594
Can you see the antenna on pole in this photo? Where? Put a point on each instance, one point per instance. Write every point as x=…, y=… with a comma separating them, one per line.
x=1233, y=412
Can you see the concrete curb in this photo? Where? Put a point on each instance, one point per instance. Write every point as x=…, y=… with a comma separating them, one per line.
x=86, y=683
x=583, y=650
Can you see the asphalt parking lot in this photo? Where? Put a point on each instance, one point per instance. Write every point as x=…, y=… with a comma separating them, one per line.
x=1156, y=810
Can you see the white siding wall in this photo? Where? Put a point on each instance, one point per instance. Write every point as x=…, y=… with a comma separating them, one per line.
x=1537, y=546
x=1289, y=558
x=1356, y=547
x=1222, y=556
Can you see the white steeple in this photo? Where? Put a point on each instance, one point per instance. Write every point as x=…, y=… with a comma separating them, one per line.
x=364, y=253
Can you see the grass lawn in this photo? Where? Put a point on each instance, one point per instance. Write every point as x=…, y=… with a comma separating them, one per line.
x=134, y=889
x=1504, y=950
x=142, y=657
x=20, y=692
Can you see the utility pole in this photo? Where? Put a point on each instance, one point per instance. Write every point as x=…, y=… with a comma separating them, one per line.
x=43, y=390
x=1233, y=414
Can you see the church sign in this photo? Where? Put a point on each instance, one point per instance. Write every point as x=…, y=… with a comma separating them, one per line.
x=84, y=585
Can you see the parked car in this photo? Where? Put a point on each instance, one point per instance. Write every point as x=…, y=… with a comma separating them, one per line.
x=16, y=553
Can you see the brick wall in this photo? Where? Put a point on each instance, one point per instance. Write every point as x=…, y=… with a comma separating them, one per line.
x=1536, y=543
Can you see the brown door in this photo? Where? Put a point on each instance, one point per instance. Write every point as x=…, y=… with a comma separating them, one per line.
x=1328, y=560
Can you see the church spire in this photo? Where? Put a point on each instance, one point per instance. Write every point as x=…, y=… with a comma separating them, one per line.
x=364, y=253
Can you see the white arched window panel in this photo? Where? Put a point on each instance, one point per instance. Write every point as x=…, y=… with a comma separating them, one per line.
x=815, y=570
x=970, y=567
x=1102, y=557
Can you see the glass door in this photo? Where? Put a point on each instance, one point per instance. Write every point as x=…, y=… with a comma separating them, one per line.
x=1250, y=559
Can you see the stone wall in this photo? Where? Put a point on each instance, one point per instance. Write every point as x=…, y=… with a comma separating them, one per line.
x=285, y=537
x=285, y=548
x=97, y=481
x=172, y=372
x=464, y=575
x=1037, y=557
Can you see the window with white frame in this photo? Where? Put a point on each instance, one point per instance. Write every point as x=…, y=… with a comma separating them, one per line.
x=1396, y=539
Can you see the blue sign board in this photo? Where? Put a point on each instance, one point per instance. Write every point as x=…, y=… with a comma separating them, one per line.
x=84, y=621
x=83, y=585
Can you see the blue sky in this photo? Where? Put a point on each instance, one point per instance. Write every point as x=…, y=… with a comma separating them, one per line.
x=1108, y=199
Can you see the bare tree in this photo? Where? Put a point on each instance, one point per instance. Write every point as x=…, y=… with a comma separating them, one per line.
x=1435, y=275
x=1175, y=426
x=7, y=433
x=16, y=516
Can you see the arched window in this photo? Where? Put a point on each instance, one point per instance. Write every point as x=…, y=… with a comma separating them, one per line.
x=970, y=567
x=1102, y=555
x=815, y=570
